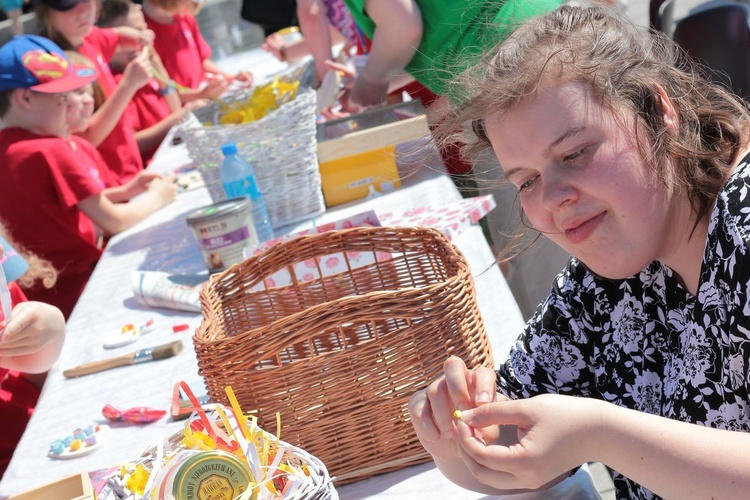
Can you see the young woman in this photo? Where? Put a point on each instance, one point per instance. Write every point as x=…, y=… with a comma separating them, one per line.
x=639, y=358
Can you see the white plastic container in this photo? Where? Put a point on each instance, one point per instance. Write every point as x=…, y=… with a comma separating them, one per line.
x=223, y=230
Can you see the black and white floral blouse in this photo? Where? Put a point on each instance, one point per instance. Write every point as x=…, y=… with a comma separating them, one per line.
x=644, y=342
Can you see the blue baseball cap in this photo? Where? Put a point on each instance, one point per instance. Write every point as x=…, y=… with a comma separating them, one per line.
x=37, y=63
x=14, y=266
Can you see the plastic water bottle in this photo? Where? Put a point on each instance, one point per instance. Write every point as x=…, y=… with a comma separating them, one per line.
x=238, y=178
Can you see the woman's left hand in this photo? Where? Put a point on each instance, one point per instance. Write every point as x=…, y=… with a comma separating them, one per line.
x=555, y=435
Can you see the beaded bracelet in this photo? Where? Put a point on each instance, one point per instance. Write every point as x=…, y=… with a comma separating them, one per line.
x=171, y=88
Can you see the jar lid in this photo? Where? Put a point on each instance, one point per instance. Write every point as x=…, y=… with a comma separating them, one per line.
x=219, y=209
x=212, y=474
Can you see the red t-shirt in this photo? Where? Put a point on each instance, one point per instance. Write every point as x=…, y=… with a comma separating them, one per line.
x=182, y=49
x=149, y=108
x=43, y=179
x=119, y=149
x=100, y=46
x=18, y=398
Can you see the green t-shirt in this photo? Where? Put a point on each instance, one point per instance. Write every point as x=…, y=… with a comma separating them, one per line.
x=457, y=32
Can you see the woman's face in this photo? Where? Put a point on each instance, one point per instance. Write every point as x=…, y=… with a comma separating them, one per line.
x=76, y=23
x=80, y=108
x=582, y=180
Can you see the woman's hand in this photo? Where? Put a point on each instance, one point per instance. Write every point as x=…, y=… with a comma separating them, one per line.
x=432, y=409
x=555, y=435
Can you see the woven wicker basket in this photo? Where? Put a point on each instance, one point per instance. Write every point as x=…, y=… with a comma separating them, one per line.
x=340, y=355
x=282, y=147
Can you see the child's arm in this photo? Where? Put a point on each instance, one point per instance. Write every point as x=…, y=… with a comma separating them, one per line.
x=116, y=217
x=103, y=121
x=130, y=37
x=216, y=85
x=210, y=67
x=398, y=34
x=33, y=338
x=171, y=97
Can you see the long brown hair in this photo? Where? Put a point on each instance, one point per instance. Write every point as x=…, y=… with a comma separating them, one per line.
x=40, y=270
x=621, y=64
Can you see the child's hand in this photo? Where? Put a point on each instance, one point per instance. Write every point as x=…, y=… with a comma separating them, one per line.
x=245, y=76
x=138, y=71
x=197, y=104
x=33, y=325
x=274, y=44
x=164, y=190
x=216, y=85
x=139, y=183
x=432, y=409
x=135, y=36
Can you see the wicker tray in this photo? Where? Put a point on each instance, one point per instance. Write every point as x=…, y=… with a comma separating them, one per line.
x=340, y=355
x=282, y=147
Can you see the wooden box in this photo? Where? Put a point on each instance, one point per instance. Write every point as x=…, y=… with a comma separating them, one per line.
x=75, y=487
x=352, y=162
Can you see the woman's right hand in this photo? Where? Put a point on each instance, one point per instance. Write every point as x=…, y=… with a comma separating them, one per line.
x=432, y=409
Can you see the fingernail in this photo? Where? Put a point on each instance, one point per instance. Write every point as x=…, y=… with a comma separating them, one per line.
x=483, y=397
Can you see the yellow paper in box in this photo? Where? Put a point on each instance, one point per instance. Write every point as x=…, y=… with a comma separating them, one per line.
x=349, y=165
x=350, y=178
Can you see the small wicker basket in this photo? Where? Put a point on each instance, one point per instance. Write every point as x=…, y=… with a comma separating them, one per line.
x=282, y=147
x=340, y=355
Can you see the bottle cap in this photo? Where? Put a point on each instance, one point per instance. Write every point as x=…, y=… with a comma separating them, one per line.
x=229, y=148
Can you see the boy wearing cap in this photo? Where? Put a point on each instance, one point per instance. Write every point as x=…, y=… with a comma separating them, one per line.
x=51, y=188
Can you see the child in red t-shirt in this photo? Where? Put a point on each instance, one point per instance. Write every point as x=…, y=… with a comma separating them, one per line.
x=70, y=24
x=156, y=106
x=51, y=193
x=184, y=51
x=30, y=342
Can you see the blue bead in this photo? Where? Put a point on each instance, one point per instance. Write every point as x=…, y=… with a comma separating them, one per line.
x=57, y=447
x=67, y=440
x=89, y=430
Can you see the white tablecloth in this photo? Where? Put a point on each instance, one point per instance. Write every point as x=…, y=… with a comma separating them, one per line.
x=164, y=242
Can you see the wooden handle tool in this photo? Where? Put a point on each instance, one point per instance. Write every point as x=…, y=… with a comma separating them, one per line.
x=140, y=356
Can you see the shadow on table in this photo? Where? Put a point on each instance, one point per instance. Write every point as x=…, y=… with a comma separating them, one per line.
x=170, y=247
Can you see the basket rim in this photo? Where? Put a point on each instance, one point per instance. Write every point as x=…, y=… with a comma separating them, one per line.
x=235, y=269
